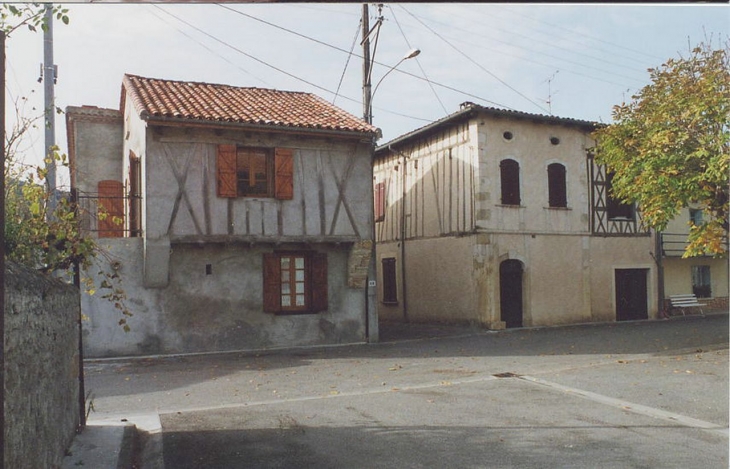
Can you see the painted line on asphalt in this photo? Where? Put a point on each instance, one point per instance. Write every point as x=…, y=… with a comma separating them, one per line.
x=632, y=407
x=334, y=395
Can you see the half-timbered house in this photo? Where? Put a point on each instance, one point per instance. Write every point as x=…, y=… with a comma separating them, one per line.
x=503, y=219
x=236, y=218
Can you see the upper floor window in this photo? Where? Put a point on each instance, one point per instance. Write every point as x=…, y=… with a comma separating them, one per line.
x=557, y=193
x=695, y=216
x=255, y=172
x=379, y=199
x=510, y=180
x=616, y=209
x=135, y=195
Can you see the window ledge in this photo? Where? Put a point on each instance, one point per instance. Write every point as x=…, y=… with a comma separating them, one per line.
x=559, y=208
x=510, y=206
x=390, y=303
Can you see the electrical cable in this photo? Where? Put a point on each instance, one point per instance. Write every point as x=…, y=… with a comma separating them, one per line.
x=532, y=51
x=209, y=49
x=474, y=61
x=273, y=66
x=352, y=47
x=418, y=62
x=552, y=44
x=584, y=34
x=447, y=87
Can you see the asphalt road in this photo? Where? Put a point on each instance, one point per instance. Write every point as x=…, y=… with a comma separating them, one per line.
x=650, y=394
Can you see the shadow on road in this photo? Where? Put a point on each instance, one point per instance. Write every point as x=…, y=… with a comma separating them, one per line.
x=414, y=341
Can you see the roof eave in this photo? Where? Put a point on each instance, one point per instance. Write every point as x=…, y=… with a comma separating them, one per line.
x=473, y=110
x=174, y=121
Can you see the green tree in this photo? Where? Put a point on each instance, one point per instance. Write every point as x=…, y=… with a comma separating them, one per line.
x=669, y=147
x=44, y=238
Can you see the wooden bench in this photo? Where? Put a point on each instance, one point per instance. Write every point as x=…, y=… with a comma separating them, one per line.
x=686, y=301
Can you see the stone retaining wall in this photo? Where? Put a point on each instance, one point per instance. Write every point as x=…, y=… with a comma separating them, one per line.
x=41, y=368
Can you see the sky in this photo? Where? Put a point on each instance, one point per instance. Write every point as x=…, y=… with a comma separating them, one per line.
x=567, y=60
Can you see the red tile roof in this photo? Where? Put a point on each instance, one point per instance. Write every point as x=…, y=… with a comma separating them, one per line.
x=186, y=101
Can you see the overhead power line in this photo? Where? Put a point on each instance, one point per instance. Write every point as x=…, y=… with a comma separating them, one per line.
x=430, y=85
x=574, y=32
x=472, y=60
x=201, y=44
x=441, y=85
x=291, y=75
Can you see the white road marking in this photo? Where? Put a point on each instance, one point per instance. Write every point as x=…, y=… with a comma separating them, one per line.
x=632, y=407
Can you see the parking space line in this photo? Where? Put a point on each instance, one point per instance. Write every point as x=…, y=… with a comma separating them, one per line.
x=631, y=407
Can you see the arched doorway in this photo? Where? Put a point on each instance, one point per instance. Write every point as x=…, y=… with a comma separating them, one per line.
x=510, y=292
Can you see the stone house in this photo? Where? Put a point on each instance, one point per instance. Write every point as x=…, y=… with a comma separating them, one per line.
x=706, y=277
x=236, y=218
x=502, y=218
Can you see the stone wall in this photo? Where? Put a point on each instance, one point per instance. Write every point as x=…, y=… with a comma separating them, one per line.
x=41, y=368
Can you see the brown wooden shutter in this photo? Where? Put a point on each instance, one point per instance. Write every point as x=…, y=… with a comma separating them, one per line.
x=379, y=201
x=226, y=171
x=284, y=173
x=320, y=301
x=272, y=283
x=111, y=206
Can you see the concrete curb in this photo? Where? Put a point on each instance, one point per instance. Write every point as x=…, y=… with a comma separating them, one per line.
x=118, y=442
x=103, y=446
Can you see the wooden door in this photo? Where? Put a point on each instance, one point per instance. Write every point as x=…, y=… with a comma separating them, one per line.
x=510, y=292
x=631, y=294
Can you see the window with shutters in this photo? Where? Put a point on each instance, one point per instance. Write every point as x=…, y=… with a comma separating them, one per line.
x=557, y=193
x=295, y=282
x=110, y=214
x=510, y=181
x=135, y=196
x=255, y=172
x=379, y=197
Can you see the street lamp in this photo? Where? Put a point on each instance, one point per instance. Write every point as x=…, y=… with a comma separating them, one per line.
x=411, y=54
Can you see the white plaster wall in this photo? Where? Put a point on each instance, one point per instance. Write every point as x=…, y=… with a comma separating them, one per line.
x=440, y=281
x=678, y=275
x=609, y=254
x=222, y=311
x=187, y=160
x=555, y=280
x=532, y=149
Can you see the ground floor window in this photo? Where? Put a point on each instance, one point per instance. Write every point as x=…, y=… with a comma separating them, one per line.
x=701, y=282
x=390, y=291
x=295, y=282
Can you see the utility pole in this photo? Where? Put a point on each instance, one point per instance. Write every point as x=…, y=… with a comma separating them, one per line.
x=366, y=85
x=371, y=316
x=2, y=249
x=49, y=80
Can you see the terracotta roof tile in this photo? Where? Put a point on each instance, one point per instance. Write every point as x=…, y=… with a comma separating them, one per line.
x=223, y=103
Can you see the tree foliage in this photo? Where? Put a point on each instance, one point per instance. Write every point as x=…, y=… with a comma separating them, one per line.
x=43, y=235
x=669, y=147
x=30, y=15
